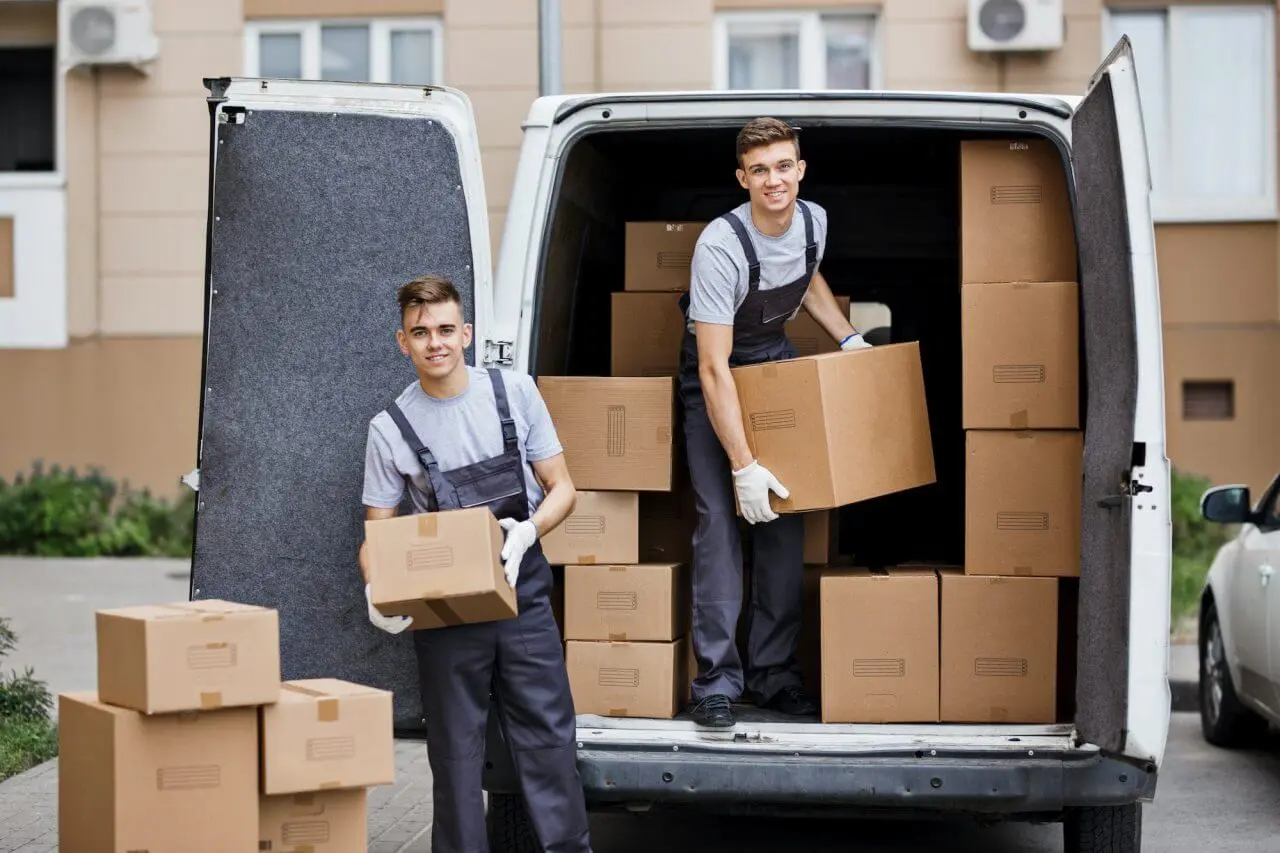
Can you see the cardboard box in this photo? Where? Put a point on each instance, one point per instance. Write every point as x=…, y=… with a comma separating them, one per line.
x=1015, y=216
x=667, y=523
x=821, y=537
x=808, y=337
x=648, y=330
x=880, y=646
x=188, y=656
x=128, y=781
x=658, y=255
x=999, y=649
x=626, y=603
x=604, y=527
x=627, y=679
x=839, y=427
x=441, y=568
x=322, y=822
x=1023, y=492
x=1021, y=345
x=325, y=733
x=616, y=431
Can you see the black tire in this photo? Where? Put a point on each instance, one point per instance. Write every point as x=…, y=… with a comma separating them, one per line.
x=1224, y=719
x=509, y=828
x=1103, y=829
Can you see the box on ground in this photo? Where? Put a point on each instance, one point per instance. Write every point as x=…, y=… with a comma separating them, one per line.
x=658, y=255
x=647, y=603
x=1022, y=502
x=839, y=427
x=604, y=527
x=320, y=822
x=648, y=329
x=130, y=781
x=441, y=568
x=1021, y=345
x=880, y=646
x=616, y=431
x=999, y=649
x=808, y=337
x=667, y=523
x=627, y=679
x=188, y=656
x=325, y=733
x=821, y=537
x=1015, y=216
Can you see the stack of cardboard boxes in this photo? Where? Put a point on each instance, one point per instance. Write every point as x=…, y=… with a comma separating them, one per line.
x=192, y=742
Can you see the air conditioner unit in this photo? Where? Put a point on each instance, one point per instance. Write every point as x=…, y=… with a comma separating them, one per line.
x=106, y=32
x=1010, y=25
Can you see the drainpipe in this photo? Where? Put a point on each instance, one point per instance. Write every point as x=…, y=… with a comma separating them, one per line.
x=550, y=77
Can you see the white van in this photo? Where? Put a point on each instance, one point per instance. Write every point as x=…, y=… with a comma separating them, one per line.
x=324, y=197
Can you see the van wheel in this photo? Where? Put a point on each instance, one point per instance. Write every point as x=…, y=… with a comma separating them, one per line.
x=1103, y=829
x=1225, y=721
x=509, y=828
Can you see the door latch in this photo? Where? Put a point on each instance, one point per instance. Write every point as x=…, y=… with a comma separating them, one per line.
x=1131, y=489
x=500, y=353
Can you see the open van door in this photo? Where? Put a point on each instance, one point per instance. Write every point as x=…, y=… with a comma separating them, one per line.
x=323, y=199
x=1122, y=694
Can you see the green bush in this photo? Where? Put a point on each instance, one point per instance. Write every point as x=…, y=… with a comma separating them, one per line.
x=27, y=736
x=1195, y=542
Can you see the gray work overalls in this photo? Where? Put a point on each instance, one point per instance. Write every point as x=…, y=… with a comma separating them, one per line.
x=777, y=588
x=519, y=659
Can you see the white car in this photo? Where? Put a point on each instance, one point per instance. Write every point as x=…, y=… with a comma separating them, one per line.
x=1240, y=619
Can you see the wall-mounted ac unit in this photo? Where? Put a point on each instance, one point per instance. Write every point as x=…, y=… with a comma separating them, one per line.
x=1011, y=25
x=106, y=32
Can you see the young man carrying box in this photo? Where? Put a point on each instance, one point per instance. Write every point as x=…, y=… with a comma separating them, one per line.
x=752, y=270
x=463, y=436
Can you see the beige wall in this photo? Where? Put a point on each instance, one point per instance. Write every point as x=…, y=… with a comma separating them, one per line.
x=28, y=23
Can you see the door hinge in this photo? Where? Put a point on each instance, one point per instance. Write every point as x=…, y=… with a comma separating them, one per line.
x=499, y=353
x=1131, y=489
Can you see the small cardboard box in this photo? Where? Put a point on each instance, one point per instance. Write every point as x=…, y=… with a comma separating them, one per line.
x=880, y=646
x=667, y=523
x=648, y=329
x=441, y=568
x=999, y=649
x=1015, y=215
x=1021, y=345
x=188, y=656
x=321, y=822
x=325, y=733
x=616, y=431
x=130, y=781
x=604, y=527
x=808, y=337
x=821, y=537
x=658, y=255
x=626, y=603
x=839, y=427
x=1023, y=491
x=627, y=679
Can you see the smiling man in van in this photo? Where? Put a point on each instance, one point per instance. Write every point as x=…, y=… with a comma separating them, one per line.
x=753, y=268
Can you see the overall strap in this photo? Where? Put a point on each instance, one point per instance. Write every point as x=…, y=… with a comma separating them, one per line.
x=810, y=244
x=509, y=437
x=425, y=456
x=748, y=249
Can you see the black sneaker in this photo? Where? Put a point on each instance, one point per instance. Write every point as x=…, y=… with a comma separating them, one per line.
x=715, y=711
x=792, y=700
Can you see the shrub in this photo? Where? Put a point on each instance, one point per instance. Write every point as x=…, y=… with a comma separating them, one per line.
x=27, y=736
x=1195, y=542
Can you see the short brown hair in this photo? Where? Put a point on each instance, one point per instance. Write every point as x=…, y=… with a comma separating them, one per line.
x=427, y=290
x=765, y=131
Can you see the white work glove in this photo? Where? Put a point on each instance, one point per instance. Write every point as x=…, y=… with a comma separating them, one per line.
x=854, y=341
x=520, y=538
x=753, y=484
x=390, y=624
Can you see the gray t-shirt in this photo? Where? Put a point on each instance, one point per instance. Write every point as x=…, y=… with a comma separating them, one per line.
x=459, y=431
x=719, y=278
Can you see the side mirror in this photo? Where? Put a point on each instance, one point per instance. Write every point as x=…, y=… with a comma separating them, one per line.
x=1227, y=505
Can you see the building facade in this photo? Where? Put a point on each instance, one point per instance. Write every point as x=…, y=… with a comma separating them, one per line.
x=103, y=188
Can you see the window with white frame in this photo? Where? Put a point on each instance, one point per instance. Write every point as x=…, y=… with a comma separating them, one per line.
x=796, y=50
x=380, y=50
x=1206, y=77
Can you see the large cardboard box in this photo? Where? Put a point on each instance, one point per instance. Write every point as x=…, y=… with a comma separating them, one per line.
x=880, y=646
x=658, y=255
x=648, y=329
x=667, y=523
x=999, y=649
x=441, y=568
x=322, y=822
x=821, y=537
x=604, y=527
x=627, y=679
x=325, y=733
x=1023, y=491
x=839, y=427
x=616, y=431
x=1021, y=345
x=188, y=656
x=128, y=781
x=1015, y=216
x=626, y=603
x=808, y=337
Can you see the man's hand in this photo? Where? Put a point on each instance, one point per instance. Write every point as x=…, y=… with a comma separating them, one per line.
x=753, y=484
x=854, y=341
x=390, y=624
x=520, y=538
